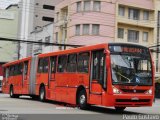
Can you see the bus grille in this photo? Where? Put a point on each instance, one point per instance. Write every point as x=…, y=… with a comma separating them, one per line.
x=129, y=100
x=133, y=91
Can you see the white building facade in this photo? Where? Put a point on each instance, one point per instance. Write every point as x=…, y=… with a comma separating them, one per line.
x=45, y=35
x=35, y=14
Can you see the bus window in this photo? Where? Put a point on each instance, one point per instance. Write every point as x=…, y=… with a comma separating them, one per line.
x=15, y=70
x=71, y=63
x=7, y=72
x=25, y=68
x=4, y=72
x=18, y=69
x=53, y=64
x=83, y=62
x=40, y=66
x=45, y=65
x=62, y=60
x=11, y=70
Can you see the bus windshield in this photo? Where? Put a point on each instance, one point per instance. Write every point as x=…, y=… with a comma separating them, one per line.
x=131, y=69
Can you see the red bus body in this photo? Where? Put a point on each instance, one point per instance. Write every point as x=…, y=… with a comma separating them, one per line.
x=64, y=86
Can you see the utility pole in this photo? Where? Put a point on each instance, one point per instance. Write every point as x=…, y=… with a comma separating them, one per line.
x=18, y=52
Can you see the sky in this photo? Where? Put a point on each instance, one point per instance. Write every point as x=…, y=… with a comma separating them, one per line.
x=5, y=3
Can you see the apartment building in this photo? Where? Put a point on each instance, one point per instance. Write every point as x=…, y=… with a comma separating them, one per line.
x=157, y=35
x=87, y=22
x=34, y=14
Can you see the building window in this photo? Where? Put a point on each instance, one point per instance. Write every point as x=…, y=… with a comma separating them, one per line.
x=86, y=29
x=133, y=36
x=134, y=14
x=47, y=40
x=49, y=19
x=77, y=30
x=145, y=15
x=56, y=37
x=96, y=5
x=95, y=29
x=79, y=6
x=145, y=36
x=87, y=5
x=49, y=7
x=120, y=33
x=121, y=11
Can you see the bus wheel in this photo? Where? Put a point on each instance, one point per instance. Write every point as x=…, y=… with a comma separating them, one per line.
x=120, y=109
x=42, y=95
x=12, y=95
x=11, y=92
x=82, y=100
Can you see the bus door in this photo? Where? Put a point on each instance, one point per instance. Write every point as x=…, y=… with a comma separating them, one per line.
x=52, y=80
x=25, y=78
x=97, y=76
x=5, y=79
x=18, y=77
x=43, y=73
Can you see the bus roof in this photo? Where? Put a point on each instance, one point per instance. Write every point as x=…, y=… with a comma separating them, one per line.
x=74, y=50
x=128, y=44
x=17, y=61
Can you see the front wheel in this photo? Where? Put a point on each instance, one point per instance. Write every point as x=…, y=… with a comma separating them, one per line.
x=82, y=100
x=120, y=109
x=42, y=95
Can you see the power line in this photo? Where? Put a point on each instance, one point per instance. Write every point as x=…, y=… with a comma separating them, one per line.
x=35, y=42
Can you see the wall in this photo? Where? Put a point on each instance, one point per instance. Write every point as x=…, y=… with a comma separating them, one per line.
x=8, y=29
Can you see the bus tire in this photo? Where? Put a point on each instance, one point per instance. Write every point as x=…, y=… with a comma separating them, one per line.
x=82, y=100
x=120, y=109
x=42, y=94
x=11, y=92
x=12, y=95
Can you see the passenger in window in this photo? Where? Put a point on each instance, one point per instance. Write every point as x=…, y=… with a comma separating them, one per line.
x=95, y=61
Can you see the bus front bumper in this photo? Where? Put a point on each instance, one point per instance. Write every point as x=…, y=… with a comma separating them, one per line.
x=131, y=100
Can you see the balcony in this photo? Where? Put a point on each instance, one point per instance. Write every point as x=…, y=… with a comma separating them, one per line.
x=141, y=23
x=62, y=21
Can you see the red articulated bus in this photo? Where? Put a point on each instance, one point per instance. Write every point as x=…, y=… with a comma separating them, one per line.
x=113, y=74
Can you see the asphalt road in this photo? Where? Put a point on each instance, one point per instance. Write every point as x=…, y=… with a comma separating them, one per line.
x=28, y=109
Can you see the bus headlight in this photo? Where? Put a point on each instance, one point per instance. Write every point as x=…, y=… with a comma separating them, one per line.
x=116, y=91
x=149, y=91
